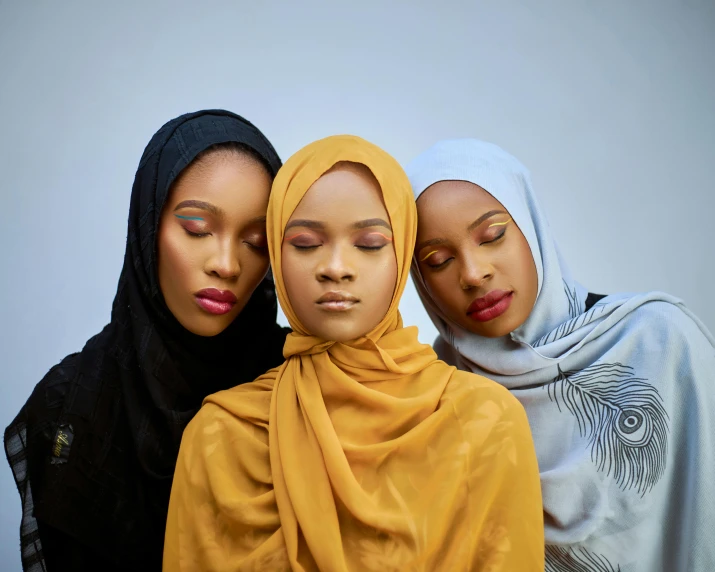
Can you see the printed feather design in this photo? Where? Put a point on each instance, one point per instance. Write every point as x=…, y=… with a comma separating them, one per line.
x=561, y=559
x=623, y=418
x=572, y=297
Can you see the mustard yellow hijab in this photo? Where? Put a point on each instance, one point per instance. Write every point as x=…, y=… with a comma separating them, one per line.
x=368, y=455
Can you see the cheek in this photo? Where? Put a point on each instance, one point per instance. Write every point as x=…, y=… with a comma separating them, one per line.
x=175, y=260
x=253, y=266
x=526, y=268
x=385, y=282
x=443, y=287
x=295, y=273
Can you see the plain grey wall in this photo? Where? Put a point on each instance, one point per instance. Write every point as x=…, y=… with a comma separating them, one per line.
x=611, y=104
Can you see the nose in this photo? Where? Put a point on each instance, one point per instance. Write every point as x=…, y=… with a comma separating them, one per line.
x=223, y=261
x=335, y=265
x=474, y=271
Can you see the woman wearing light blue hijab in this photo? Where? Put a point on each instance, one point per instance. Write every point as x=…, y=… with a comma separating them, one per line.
x=619, y=390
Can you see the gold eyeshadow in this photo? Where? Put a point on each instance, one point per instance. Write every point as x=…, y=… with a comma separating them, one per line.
x=294, y=236
x=428, y=255
x=387, y=238
x=499, y=223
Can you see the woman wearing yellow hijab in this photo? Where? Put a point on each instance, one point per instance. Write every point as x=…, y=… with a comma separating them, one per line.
x=362, y=451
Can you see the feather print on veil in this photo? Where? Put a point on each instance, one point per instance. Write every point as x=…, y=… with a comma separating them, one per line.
x=619, y=390
x=622, y=416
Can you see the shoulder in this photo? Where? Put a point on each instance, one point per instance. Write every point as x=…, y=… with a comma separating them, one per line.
x=246, y=403
x=491, y=420
x=48, y=396
x=227, y=418
x=667, y=322
x=475, y=396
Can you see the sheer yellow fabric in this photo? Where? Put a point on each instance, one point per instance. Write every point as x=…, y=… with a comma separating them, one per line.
x=369, y=455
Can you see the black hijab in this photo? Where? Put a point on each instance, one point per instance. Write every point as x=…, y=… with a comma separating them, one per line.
x=93, y=450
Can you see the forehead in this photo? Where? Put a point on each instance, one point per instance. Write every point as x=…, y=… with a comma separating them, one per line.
x=341, y=196
x=447, y=203
x=451, y=194
x=224, y=179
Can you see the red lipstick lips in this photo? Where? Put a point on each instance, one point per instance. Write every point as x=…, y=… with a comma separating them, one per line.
x=337, y=301
x=216, y=301
x=491, y=306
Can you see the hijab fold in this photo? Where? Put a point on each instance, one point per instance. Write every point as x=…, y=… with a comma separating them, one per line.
x=364, y=455
x=618, y=395
x=93, y=450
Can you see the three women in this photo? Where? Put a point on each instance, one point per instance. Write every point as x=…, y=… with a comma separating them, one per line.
x=363, y=450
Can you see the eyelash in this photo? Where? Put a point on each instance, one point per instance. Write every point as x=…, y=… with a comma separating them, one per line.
x=202, y=234
x=441, y=264
x=367, y=248
x=196, y=234
x=503, y=232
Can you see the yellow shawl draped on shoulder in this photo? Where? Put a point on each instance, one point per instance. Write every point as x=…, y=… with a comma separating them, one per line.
x=367, y=455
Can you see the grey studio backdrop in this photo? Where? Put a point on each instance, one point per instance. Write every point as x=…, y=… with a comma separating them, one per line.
x=611, y=104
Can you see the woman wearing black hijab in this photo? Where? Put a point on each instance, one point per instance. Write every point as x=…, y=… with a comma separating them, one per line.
x=93, y=450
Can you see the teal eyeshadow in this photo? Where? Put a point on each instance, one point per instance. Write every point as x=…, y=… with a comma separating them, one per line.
x=188, y=217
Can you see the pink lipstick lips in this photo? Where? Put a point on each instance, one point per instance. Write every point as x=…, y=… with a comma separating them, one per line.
x=490, y=306
x=215, y=301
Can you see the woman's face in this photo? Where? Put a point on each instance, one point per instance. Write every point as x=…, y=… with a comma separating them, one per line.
x=475, y=262
x=338, y=260
x=212, y=245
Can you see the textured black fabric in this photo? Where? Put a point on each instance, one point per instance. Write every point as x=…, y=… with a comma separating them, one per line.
x=591, y=299
x=93, y=450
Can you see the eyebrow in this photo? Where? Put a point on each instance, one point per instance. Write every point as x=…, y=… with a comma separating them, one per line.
x=213, y=209
x=358, y=225
x=372, y=222
x=484, y=217
x=305, y=223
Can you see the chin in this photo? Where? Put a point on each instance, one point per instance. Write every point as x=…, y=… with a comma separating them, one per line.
x=491, y=333
x=205, y=328
x=493, y=329
x=337, y=334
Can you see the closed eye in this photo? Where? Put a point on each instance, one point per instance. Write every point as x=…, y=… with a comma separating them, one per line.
x=498, y=237
x=196, y=234
x=440, y=264
x=259, y=247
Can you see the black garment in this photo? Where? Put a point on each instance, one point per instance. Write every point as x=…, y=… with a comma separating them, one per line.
x=591, y=299
x=93, y=450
